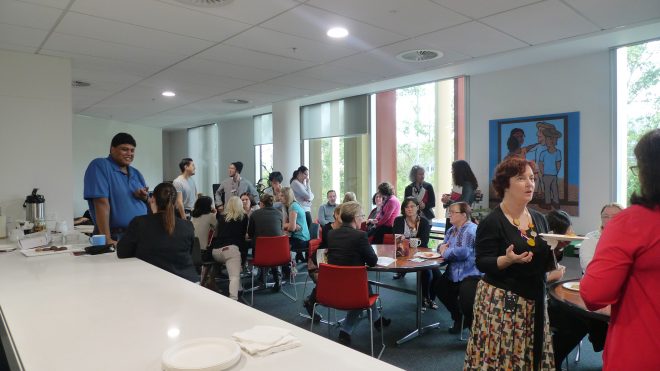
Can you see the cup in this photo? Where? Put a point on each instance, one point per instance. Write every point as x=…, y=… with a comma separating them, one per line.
x=62, y=227
x=415, y=242
x=97, y=240
x=16, y=234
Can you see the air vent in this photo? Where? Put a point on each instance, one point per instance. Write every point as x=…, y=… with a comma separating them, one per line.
x=420, y=55
x=205, y=3
x=236, y=101
x=79, y=84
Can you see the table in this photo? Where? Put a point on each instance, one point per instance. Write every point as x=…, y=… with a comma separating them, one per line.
x=65, y=312
x=404, y=265
x=572, y=301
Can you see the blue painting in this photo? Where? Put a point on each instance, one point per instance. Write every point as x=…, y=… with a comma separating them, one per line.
x=552, y=142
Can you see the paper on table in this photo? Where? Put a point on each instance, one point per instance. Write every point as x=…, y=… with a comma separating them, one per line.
x=264, y=340
x=384, y=261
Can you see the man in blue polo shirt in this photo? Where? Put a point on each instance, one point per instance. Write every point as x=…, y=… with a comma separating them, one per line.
x=115, y=191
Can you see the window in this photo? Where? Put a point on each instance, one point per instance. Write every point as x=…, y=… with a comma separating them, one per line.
x=204, y=150
x=263, y=147
x=638, y=103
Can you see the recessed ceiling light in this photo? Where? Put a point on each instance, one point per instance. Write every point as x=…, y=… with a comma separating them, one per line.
x=168, y=93
x=236, y=101
x=337, y=32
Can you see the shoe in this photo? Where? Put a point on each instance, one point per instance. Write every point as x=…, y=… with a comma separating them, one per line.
x=428, y=303
x=382, y=322
x=456, y=328
x=300, y=258
x=344, y=338
x=278, y=284
x=398, y=276
x=309, y=306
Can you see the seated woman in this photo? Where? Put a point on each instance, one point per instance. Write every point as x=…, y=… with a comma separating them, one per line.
x=412, y=225
x=458, y=251
x=295, y=225
x=388, y=212
x=349, y=246
x=249, y=204
x=161, y=238
x=232, y=227
x=204, y=221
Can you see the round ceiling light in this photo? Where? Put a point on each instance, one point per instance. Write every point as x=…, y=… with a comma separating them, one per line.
x=236, y=101
x=419, y=55
x=337, y=32
x=168, y=93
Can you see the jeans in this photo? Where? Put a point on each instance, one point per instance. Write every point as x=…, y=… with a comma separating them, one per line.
x=353, y=317
x=231, y=257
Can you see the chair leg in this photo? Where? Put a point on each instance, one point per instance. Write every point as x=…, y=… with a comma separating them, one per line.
x=382, y=330
x=577, y=356
x=202, y=275
x=252, y=292
x=371, y=330
x=462, y=328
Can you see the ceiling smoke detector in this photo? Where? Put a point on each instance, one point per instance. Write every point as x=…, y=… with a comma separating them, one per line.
x=79, y=84
x=205, y=3
x=419, y=55
x=236, y=101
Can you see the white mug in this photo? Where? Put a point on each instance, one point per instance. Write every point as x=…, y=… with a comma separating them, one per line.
x=415, y=242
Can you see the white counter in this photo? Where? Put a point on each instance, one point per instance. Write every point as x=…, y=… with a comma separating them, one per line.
x=101, y=313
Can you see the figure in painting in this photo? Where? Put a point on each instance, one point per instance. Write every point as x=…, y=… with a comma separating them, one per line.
x=549, y=165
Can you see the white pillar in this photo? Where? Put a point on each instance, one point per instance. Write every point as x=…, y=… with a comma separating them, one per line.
x=286, y=138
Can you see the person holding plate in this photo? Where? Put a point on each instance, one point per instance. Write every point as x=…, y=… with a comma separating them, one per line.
x=510, y=328
x=459, y=282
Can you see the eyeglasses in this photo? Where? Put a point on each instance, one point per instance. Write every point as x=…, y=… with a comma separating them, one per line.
x=634, y=170
x=450, y=212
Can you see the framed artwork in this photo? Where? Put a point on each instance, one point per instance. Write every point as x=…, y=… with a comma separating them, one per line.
x=552, y=142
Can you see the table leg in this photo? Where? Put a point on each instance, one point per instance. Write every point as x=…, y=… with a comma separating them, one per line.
x=420, y=330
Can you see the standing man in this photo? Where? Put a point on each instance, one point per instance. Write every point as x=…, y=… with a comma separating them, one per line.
x=233, y=186
x=327, y=210
x=115, y=191
x=185, y=188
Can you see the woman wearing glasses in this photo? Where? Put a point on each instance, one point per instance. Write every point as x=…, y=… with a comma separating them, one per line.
x=588, y=246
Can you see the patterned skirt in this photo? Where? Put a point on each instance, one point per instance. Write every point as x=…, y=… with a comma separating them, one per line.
x=502, y=336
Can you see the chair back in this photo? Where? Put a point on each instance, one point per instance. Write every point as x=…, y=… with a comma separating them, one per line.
x=272, y=251
x=388, y=239
x=342, y=287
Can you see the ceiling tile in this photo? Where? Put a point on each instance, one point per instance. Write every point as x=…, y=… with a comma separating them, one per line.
x=273, y=42
x=59, y=4
x=104, y=49
x=303, y=82
x=16, y=47
x=283, y=91
x=480, y=8
x=28, y=15
x=395, y=15
x=339, y=75
x=21, y=37
x=248, y=11
x=127, y=34
x=613, y=13
x=473, y=39
x=250, y=58
x=538, y=23
x=160, y=16
x=104, y=65
x=203, y=84
x=313, y=23
x=226, y=69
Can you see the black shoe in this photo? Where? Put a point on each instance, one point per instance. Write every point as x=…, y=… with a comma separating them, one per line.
x=456, y=328
x=309, y=306
x=277, y=286
x=382, y=322
x=398, y=276
x=300, y=258
x=344, y=338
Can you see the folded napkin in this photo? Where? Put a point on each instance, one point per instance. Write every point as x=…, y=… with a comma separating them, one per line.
x=265, y=340
x=384, y=261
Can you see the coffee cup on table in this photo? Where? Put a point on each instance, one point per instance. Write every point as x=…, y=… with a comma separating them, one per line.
x=97, y=240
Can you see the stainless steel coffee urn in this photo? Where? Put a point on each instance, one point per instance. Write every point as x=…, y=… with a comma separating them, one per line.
x=35, y=209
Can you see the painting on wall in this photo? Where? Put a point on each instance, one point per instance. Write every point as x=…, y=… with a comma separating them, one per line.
x=552, y=142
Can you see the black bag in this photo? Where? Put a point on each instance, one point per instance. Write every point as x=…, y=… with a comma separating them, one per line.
x=100, y=249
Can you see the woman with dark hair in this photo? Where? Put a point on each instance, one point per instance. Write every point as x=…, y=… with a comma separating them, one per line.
x=203, y=219
x=249, y=205
x=625, y=270
x=161, y=238
x=510, y=327
x=302, y=192
x=412, y=225
x=229, y=242
x=464, y=187
x=377, y=201
x=422, y=191
x=388, y=212
x=274, y=187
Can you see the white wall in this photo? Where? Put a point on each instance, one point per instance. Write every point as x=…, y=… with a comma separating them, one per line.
x=236, y=144
x=91, y=139
x=35, y=133
x=577, y=84
x=175, y=148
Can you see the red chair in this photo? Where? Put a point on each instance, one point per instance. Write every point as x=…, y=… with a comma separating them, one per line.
x=388, y=239
x=346, y=288
x=271, y=252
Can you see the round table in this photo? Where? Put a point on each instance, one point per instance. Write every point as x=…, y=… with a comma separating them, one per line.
x=404, y=265
x=572, y=301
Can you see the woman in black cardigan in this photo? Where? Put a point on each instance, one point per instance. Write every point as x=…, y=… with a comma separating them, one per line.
x=412, y=225
x=422, y=191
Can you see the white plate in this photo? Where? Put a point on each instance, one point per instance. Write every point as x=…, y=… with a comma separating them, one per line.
x=70, y=248
x=84, y=228
x=7, y=247
x=428, y=255
x=573, y=286
x=561, y=237
x=202, y=354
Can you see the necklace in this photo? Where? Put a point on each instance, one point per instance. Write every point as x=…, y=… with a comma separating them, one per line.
x=413, y=228
x=528, y=234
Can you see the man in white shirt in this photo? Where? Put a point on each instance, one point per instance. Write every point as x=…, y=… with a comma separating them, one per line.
x=588, y=246
x=235, y=185
x=186, y=188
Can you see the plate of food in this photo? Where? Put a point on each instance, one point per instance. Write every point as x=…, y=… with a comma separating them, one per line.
x=428, y=255
x=561, y=237
x=572, y=285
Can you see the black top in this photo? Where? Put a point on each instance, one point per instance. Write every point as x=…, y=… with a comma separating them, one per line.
x=423, y=230
x=324, y=235
x=230, y=233
x=146, y=239
x=348, y=246
x=428, y=213
x=494, y=234
x=468, y=194
x=265, y=222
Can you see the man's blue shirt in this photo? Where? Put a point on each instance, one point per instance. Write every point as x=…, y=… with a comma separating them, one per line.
x=104, y=179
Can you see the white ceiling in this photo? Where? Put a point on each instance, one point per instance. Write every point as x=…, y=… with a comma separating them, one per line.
x=267, y=51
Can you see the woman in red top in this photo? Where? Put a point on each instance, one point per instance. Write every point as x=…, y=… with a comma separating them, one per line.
x=625, y=271
x=389, y=210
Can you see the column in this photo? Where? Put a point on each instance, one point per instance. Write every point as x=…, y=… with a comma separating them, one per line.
x=286, y=138
x=444, y=139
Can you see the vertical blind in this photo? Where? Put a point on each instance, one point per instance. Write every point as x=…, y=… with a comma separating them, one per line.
x=344, y=117
x=263, y=129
